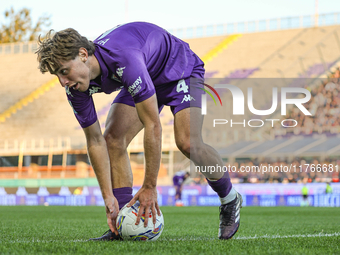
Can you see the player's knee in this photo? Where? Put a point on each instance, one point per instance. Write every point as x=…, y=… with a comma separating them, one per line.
x=116, y=142
x=190, y=148
x=184, y=147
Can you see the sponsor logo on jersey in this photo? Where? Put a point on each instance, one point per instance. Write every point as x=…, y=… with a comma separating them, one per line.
x=120, y=71
x=187, y=98
x=135, y=87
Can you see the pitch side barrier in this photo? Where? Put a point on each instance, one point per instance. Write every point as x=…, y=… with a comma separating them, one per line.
x=192, y=195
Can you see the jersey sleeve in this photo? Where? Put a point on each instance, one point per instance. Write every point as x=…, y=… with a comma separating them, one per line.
x=135, y=77
x=83, y=107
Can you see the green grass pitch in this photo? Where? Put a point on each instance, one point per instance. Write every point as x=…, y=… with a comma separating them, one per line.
x=188, y=230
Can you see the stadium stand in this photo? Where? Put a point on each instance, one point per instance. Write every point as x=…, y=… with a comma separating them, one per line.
x=37, y=119
x=201, y=46
x=324, y=106
x=219, y=48
x=19, y=77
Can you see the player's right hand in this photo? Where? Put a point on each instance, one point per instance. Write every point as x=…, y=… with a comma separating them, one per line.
x=112, y=210
x=148, y=202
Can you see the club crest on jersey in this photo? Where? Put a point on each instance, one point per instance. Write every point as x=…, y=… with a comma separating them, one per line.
x=120, y=71
x=114, y=77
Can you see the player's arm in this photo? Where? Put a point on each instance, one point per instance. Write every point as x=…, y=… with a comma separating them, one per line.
x=137, y=81
x=149, y=116
x=148, y=113
x=96, y=147
x=99, y=157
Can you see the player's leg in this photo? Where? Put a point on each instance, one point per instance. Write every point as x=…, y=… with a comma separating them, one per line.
x=180, y=202
x=187, y=126
x=122, y=125
x=178, y=196
x=188, y=137
x=188, y=134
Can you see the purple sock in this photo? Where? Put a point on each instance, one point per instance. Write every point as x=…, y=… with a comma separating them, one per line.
x=178, y=192
x=123, y=195
x=222, y=187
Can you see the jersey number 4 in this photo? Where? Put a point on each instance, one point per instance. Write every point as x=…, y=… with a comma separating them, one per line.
x=181, y=86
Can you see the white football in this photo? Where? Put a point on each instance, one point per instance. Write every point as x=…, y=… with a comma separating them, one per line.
x=129, y=231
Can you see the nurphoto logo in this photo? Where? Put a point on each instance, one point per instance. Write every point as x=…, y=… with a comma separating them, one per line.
x=281, y=99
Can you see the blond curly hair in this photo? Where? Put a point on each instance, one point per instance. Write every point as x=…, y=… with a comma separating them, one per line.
x=62, y=46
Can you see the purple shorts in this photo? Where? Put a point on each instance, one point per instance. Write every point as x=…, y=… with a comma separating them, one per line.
x=178, y=95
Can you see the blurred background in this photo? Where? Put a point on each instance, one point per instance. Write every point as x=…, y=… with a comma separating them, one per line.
x=43, y=157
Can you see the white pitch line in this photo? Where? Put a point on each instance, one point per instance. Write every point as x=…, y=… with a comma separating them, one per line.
x=260, y=237
x=288, y=236
x=44, y=241
x=190, y=238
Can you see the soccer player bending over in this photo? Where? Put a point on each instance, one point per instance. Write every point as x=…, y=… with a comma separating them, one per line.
x=152, y=68
x=178, y=181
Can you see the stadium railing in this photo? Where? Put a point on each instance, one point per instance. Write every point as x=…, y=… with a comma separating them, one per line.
x=218, y=29
x=18, y=48
x=258, y=26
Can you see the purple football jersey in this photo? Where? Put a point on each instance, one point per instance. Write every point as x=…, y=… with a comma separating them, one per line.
x=137, y=57
x=179, y=178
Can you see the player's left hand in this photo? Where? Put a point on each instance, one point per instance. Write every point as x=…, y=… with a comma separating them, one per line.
x=148, y=201
x=112, y=210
